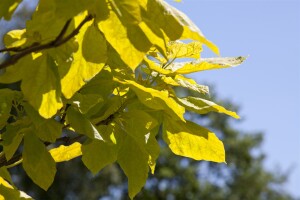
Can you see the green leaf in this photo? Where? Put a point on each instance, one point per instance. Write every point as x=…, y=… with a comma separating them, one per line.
x=6, y=97
x=15, y=38
x=37, y=161
x=46, y=129
x=190, y=30
x=88, y=60
x=133, y=160
x=13, y=136
x=66, y=153
x=203, y=106
x=98, y=154
x=118, y=37
x=7, y=191
x=82, y=124
x=85, y=102
x=143, y=128
x=43, y=89
x=178, y=49
x=128, y=10
x=8, y=7
x=205, y=64
x=191, y=140
x=5, y=174
x=155, y=99
x=179, y=80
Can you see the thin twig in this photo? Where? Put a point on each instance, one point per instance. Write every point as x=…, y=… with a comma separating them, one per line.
x=59, y=40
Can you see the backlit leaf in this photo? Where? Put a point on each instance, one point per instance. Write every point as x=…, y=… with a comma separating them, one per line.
x=46, y=129
x=203, y=106
x=82, y=124
x=205, y=64
x=191, y=140
x=98, y=154
x=66, y=153
x=37, y=161
x=178, y=49
x=87, y=61
x=43, y=89
x=157, y=100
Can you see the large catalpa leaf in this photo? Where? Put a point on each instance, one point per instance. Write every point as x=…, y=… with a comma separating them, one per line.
x=203, y=64
x=203, y=106
x=88, y=60
x=191, y=140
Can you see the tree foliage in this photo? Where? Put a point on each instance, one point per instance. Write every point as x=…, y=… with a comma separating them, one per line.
x=97, y=80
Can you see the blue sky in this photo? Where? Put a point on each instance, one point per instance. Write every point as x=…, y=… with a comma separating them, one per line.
x=267, y=85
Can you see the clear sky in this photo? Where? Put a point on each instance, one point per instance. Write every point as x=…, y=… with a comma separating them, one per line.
x=267, y=85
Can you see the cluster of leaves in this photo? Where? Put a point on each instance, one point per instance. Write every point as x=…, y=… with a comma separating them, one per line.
x=99, y=83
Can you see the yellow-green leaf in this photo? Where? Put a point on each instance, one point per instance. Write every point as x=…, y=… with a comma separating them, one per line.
x=190, y=30
x=8, y=7
x=203, y=106
x=191, y=140
x=178, y=49
x=12, y=138
x=82, y=124
x=6, y=97
x=98, y=154
x=46, y=129
x=133, y=160
x=155, y=67
x=179, y=80
x=14, y=38
x=155, y=99
x=88, y=60
x=118, y=37
x=37, y=161
x=128, y=10
x=66, y=153
x=206, y=64
x=40, y=85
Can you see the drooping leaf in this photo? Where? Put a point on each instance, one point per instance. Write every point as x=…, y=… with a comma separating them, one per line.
x=6, y=97
x=205, y=64
x=66, y=153
x=43, y=89
x=82, y=124
x=46, y=129
x=98, y=154
x=118, y=37
x=203, y=106
x=178, y=49
x=179, y=80
x=133, y=160
x=87, y=61
x=13, y=136
x=155, y=99
x=37, y=161
x=128, y=10
x=8, y=7
x=190, y=30
x=191, y=140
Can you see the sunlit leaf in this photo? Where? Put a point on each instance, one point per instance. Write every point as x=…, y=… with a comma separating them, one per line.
x=178, y=49
x=157, y=100
x=43, y=89
x=203, y=64
x=66, y=153
x=191, y=140
x=87, y=61
x=203, y=106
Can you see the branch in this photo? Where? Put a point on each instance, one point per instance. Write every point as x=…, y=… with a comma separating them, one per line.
x=59, y=40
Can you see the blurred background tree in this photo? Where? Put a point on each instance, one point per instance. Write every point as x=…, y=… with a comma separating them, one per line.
x=244, y=177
